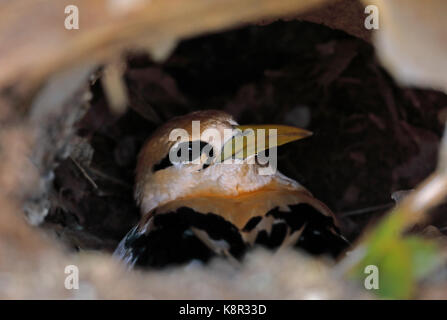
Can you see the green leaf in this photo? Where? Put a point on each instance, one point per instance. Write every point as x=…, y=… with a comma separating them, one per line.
x=401, y=260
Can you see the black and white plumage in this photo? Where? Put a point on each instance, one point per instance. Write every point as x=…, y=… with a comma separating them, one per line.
x=194, y=211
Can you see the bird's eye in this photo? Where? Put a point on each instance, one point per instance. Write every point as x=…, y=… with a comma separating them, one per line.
x=191, y=150
x=186, y=152
x=208, y=150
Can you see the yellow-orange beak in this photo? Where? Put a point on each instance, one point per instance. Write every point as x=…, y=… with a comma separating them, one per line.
x=250, y=140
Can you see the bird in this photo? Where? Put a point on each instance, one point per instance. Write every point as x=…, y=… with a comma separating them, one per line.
x=203, y=195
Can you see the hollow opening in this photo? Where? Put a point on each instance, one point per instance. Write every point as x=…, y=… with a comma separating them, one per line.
x=371, y=137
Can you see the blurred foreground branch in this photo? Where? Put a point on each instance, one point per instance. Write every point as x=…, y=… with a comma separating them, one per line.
x=403, y=259
x=32, y=46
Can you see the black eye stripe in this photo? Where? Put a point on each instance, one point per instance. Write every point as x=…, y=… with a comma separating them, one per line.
x=191, y=148
x=163, y=163
x=166, y=162
x=206, y=147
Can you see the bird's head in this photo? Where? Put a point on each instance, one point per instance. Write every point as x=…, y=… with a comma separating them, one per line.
x=206, y=153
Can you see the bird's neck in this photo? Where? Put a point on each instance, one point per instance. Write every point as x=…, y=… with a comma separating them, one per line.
x=239, y=209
